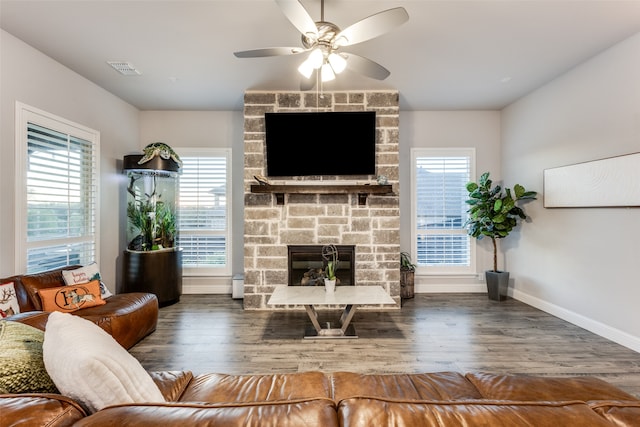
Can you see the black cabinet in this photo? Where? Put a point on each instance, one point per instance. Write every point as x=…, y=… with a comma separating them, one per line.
x=157, y=272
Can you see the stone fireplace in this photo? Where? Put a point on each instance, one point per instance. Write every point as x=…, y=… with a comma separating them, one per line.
x=306, y=263
x=273, y=223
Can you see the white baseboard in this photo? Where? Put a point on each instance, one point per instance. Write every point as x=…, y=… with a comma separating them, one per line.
x=433, y=288
x=597, y=328
x=206, y=285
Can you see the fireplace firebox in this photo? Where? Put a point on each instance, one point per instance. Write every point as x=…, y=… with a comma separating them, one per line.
x=306, y=264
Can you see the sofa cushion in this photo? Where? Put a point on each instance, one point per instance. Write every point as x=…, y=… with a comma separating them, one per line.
x=524, y=387
x=366, y=412
x=222, y=388
x=71, y=298
x=50, y=410
x=88, y=365
x=8, y=300
x=433, y=386
x=296, y=413
x=22, y=369
x=86, y=274
x=32, y=283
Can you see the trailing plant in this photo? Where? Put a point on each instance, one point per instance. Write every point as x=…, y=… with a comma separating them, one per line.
x=493, y=212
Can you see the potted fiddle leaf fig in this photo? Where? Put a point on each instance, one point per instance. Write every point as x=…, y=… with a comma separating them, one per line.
x=493, y=212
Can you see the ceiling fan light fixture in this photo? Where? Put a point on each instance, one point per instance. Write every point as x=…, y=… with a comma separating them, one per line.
x=340, y=41
x=306, y=69
x=326, y=73
x=338, y=62
x=316, y=58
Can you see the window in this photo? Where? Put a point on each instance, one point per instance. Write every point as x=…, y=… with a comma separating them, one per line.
x=204, y=210
x=56, y=212
x=441, y=243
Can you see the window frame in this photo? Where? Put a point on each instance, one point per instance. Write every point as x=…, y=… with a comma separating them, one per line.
x=448, y=270
x=25, y=114
x=212, y=271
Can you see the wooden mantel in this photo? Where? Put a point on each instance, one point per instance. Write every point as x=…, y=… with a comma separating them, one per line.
x=362, y=190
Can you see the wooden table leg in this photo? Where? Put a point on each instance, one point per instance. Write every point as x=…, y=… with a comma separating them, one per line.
x=345, y=331
x=347, y=315
x=313, y=315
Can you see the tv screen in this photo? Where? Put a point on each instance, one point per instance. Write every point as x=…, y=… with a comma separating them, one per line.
x=320, y=143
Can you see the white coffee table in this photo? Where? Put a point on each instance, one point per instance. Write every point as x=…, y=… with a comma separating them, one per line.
x=313, y=296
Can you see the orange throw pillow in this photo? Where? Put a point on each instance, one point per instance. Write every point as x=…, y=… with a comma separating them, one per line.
x=71, y=297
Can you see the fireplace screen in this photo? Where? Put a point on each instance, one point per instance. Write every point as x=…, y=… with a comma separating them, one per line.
x=306, y=265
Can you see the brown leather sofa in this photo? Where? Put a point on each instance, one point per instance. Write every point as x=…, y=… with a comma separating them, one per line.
x=128, y=317
x=347, y=399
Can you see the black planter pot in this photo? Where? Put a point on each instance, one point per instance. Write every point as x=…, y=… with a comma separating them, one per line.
x=497, y=284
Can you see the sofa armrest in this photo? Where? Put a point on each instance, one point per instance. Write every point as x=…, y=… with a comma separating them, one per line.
x=37, y=319
x=128, y=317
x=172, y=384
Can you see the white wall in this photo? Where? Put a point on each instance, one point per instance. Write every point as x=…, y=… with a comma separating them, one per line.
x=580, y=264
x=195, y=129
x=448, y=129
x=28, y=76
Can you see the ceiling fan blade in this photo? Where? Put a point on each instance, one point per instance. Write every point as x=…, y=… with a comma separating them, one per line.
x=367, y=67
x=269, y=51
x=372, y=26
x=299, y=17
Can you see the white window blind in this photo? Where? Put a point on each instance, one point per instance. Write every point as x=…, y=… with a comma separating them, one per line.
x=203, y=212
x=440, y=210
x=60, y=206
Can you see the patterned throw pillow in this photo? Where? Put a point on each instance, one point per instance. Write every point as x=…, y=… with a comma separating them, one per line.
x=8, y=300
x=21, y=365
x=71, y=297
x=84, y=275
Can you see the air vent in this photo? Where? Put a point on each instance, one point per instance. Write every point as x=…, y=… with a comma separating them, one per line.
x=124, y=68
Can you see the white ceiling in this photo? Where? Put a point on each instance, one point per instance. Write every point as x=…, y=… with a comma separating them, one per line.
x=451, y=54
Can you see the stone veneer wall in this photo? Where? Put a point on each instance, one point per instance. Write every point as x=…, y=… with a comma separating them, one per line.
x=312, y=219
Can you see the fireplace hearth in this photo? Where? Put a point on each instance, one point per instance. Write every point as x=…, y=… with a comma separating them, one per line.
x=305, y=265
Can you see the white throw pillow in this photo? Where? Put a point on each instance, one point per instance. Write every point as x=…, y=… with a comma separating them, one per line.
x=88, y=365
x=86, y=274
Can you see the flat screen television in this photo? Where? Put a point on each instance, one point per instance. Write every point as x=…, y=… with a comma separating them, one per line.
x=320, y=143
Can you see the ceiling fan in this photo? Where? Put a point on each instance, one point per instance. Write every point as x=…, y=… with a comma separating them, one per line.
x=324, y=41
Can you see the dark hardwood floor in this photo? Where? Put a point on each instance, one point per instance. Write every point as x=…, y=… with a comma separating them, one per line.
x=432, y=332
